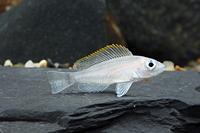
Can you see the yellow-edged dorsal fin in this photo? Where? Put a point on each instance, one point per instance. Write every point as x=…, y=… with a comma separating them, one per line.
x=104, y=54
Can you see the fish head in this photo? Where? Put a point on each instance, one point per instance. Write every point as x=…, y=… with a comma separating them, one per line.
x=149, y=67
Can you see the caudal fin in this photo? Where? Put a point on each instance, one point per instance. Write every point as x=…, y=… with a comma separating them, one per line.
x=59, y=80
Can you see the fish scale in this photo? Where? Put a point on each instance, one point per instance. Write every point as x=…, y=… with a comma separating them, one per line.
x=111, y=64
x=106, y=72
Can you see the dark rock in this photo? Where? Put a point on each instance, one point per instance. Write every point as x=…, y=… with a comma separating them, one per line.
x=157, y=28
x=50, y=63
x=63, y=66
x=63, y=30
x=169, y=103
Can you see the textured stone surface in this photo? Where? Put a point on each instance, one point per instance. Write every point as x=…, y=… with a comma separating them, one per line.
x=169, y=102
x=157, y=28
x=63, y=30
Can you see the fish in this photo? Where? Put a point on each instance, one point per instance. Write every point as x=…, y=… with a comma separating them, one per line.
x=109, y=65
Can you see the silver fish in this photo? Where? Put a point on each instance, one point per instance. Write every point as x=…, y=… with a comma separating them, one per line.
x=109, y=65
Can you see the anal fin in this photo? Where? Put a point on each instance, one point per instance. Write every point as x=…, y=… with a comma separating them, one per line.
x=122, y=88
x=91, y=87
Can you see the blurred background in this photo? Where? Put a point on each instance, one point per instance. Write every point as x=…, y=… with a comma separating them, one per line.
x=66, y=30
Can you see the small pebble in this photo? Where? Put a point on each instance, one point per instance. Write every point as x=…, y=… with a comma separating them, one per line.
x=74, y=67
x=29, y=64
x=43, y=63
x=198, y=60
x=67, y=64
x=197, y=68
x=187, y=68
x=63, y=66
x=169, y=65
x=8, y=63
x=192, y=63
x=50, y=63
x=56, y=65
x=19, y=65
x=178, y=68
x=37, y=65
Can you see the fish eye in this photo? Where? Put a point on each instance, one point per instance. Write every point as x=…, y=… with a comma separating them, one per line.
x=151, y=64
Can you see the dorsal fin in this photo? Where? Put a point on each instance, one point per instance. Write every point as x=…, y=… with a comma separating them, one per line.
x=104, y=54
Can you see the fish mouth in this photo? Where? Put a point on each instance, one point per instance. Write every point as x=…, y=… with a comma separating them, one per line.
x=161, y=68
x=164, y=66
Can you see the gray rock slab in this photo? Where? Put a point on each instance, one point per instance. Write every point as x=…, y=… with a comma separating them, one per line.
x=63, y=30
x=169, y=102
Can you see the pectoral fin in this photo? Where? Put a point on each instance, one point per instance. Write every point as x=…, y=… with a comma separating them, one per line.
x=122, y=88
x=92, y=87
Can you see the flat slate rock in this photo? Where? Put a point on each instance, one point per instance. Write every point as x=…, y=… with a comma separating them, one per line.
x=169, y=102
x=63, y=30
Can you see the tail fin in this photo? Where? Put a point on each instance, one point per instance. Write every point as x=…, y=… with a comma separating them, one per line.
x=59, y=80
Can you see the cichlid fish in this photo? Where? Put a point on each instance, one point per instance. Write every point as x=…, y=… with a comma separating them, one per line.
x=109, y=65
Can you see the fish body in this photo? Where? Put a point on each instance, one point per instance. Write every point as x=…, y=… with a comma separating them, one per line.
x=108, y=72
x=109, y=65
